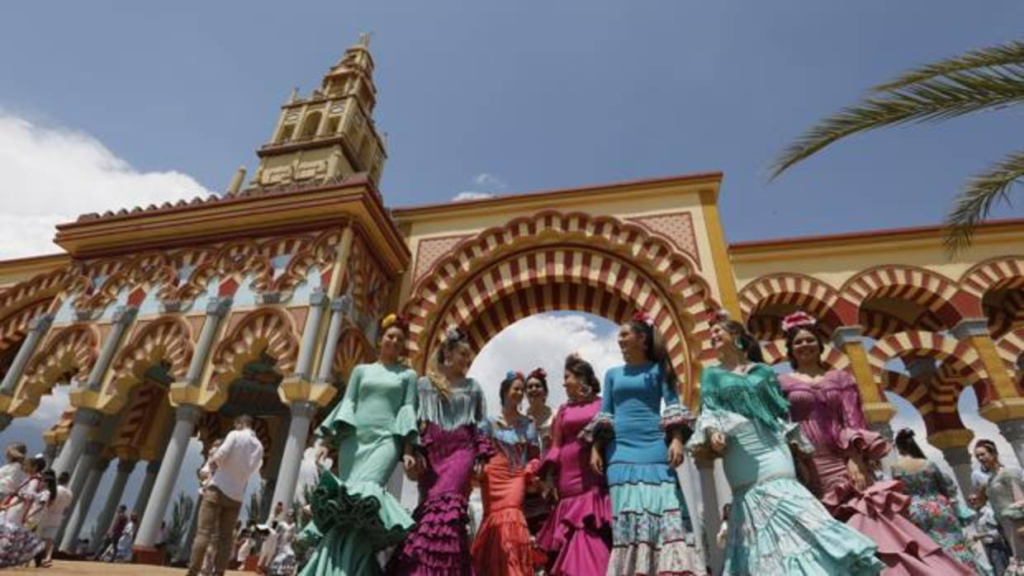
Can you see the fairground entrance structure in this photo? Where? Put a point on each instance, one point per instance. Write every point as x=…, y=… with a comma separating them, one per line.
x=167, y=321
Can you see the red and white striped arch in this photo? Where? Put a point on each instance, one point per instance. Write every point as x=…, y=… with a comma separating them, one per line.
x=166, y=340
x=933, y=292
x=509, y=272
x=793, y=292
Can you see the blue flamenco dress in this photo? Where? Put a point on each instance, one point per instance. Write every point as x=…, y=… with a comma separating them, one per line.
x=776, y=526
x=651, y=529
x=354, y=516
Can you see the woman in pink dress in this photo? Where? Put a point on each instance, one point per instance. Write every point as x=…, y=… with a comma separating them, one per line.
x=827, y=405
x=578, y=533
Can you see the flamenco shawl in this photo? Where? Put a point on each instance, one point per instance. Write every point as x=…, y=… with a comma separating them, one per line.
x=762, y=402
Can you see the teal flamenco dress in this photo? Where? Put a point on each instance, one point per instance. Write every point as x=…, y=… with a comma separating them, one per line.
x=354, y=516
x=776, y=526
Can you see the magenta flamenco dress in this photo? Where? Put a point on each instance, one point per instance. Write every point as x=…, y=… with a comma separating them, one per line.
x=578, y=533
x=830, y=417
x=450, y=437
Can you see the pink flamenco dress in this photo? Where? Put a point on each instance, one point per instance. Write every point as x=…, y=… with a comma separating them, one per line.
x=578, y=533
x=453, y=443
x=830, y=417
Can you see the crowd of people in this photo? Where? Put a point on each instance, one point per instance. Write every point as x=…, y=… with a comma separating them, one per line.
x=590, y=487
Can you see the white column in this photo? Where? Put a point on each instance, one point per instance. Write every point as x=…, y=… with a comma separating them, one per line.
x=339, y=310
x=123, y=318
x=959, y=459
x=124, y=470
x=295, y=446
x=36, y=329
x=86, y=422
x=68, y=544
x=147, y=487
x=304, y=366
x=1013, y=431
x=711, y=513
x=186, y=417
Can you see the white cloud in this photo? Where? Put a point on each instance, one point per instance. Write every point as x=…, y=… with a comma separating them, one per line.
x=491, y=181
x=470, y=195
x=485, y=185
x=53, y=174
x=544, y=341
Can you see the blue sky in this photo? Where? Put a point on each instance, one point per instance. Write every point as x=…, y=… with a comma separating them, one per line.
x=108, y=104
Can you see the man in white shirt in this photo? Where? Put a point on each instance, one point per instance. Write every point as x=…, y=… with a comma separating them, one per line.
x=234, y=462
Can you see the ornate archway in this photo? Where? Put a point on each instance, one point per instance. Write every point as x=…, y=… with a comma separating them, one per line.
x=565, y=261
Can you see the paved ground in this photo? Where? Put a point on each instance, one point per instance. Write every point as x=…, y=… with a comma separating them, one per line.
x=67, y=568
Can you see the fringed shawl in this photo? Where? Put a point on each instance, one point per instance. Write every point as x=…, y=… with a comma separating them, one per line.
x=756, y=395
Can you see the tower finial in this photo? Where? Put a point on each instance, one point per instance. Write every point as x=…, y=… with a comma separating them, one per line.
x=364, y=39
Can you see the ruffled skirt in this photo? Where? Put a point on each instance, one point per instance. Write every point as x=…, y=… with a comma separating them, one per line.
x=578, y=534
x=17, y=545
x=352, y=521
x=903, y=547
x=439, y=544
x=651, y=529
x=502, y=545
x=777, y=528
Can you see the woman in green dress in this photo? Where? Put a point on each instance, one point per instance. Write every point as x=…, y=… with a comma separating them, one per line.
x=354, y=516
x=776, y=526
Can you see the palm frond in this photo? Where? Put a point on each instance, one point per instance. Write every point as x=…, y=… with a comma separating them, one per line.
x=979, y=195
x=1008, y=54
x=953, y=95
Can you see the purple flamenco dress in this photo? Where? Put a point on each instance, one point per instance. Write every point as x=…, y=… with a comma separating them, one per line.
x=578, y=533
x=449, y=434
x=830, y=417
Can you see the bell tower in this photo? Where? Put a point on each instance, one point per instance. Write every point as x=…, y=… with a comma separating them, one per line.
x=330, y=133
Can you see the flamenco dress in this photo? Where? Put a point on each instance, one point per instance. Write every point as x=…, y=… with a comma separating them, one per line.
x=354, y=516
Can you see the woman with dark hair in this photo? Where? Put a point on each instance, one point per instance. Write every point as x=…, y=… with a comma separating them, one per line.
x=536, y=506
x=1003, y=490
x=776, y=526
x=502, y=545
x=578, y=534
x=935, y=505
x=827, y=405
x=642, y=445
x=451, y=411
x=372, y=427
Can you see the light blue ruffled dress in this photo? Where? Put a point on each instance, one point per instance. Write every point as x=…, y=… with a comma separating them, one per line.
x=354, y=516
x=651, y=528
x=776, y=527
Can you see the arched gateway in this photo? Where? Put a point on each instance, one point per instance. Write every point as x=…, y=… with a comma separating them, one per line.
x=164, y=322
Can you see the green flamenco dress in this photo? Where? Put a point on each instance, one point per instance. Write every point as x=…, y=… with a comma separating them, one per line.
x=776, y=526
x=354, y=516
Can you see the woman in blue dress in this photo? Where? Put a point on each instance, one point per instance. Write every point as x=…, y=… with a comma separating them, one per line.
x=638, y=446
x=776, y=526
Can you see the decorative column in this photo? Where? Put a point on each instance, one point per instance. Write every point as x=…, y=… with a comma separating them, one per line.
x=295, y=446
x=185, y=395
x=86, y=422
x=1013, y=431
x=124, y=470
x=37, y=327
x=877, y=410
x=711, y=511
x=69, y=543
x=340, y=308
x=123, y=317
x=954, y=445
x=307, y=351
x=146, y=488
x=186, y=417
